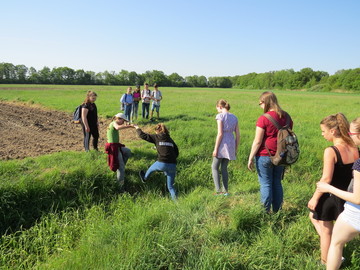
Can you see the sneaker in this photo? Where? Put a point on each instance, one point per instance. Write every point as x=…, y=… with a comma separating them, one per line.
x=142, y=176
x=218, y=193
x=226, y=194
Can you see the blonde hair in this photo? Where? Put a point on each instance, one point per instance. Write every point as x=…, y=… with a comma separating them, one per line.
x=271, y=103
x=340, y=124
x=161, y=128
x=223, y=103
x=356, y=123
x=88, y=95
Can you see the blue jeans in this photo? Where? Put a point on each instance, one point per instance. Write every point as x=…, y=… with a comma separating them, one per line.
x=127, y=111
x=169, y=170
x=270, y=183
x=134, y=112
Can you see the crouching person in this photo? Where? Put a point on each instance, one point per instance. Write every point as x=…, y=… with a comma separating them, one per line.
x=167, y=154
x=118, y=154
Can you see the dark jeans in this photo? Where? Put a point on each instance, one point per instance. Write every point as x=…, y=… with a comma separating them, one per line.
x=94, y=132
x=145, y=110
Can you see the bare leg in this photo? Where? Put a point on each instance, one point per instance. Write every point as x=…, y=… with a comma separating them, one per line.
x=324, y=230
x=342, y=234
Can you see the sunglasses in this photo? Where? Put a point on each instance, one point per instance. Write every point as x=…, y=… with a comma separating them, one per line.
x=261, y=103
x=355, y=133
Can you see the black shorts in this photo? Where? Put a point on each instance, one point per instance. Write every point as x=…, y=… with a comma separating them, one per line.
x=328, y=208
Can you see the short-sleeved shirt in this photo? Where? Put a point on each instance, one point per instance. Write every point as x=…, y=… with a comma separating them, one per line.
x=146, y=94
x=126, y=98
x=112, y=134
x=92, y=116
x=356, y=167
x=136, y=95
x=227, y=145
x=270, y=135
x=156, y=95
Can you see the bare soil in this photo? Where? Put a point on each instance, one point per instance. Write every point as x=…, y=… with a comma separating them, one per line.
x=29, y=130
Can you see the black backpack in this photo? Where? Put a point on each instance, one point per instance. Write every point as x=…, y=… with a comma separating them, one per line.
x=287, y=151
x=77, y=115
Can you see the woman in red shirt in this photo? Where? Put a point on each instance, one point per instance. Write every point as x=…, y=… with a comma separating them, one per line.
x=264, y=145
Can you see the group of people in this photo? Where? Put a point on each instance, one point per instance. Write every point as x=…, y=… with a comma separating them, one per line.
x=337, y=197
x=130, y=102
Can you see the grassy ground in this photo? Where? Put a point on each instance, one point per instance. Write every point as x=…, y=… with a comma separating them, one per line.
x=69, y=214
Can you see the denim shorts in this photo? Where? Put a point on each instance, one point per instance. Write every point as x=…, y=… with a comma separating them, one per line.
x=155, y=107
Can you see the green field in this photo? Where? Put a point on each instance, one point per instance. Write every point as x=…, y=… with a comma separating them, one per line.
x=69, y=214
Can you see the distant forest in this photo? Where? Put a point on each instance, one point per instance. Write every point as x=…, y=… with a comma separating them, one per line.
x=306, y=78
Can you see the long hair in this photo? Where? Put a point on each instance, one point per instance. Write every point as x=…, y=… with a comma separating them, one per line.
x=161, y=128
x=223, y=103
x=340, y=124
x=271, y=103
x=356, y=123
x=88, y=95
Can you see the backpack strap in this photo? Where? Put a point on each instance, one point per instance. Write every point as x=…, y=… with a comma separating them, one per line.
x=276, y=123
x=273, y=121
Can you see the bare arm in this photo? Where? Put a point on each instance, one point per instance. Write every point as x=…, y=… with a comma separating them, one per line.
x=347, y=196
x=259, y=135
x=84, y=113
x=328, y=170
x=218, y=138
x=118, y=127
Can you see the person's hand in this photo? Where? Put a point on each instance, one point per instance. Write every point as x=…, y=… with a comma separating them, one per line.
x=312, y=204
x=136, y=126
x=87, y=129
x=323, y=187
x=214, y=154
x=250, y=165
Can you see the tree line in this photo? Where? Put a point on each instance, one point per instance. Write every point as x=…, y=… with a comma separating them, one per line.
x=306, y=78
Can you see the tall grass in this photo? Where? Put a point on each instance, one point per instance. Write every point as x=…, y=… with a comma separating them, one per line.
x=65, y=211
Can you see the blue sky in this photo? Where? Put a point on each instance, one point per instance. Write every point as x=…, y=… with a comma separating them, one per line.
x=211, y=38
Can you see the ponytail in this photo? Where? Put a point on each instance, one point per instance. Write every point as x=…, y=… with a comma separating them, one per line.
x=161, y=128
x=223, y=103
x=340, y=124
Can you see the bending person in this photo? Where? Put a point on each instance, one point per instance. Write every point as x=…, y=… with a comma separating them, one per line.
x=118, y=154
x=167, y=154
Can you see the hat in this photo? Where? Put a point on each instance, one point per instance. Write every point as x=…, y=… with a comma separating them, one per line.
x=122, y=116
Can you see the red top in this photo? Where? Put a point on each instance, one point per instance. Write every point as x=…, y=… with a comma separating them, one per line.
x=270, y=135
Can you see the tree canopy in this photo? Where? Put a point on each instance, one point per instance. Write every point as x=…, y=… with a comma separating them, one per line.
x=306, y=78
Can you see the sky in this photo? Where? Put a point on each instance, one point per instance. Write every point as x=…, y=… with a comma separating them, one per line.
x=197, y=37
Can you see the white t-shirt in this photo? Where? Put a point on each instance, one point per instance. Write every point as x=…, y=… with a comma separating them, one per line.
x=146, y=95
x=156, y=95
